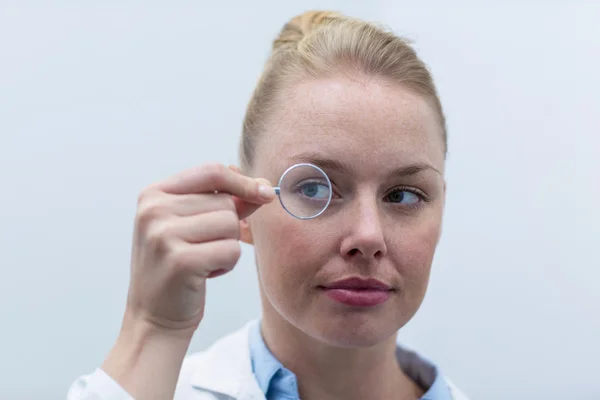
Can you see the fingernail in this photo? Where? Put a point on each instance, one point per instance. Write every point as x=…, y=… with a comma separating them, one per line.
x=265, y=191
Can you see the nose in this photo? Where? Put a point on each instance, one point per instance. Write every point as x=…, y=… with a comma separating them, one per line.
x=365, y=236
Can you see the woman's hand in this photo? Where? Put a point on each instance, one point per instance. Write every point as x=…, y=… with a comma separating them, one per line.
x=186, y=233
x=187, y=230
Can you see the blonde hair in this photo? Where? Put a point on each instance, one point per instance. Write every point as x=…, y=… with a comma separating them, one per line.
x=318, y=44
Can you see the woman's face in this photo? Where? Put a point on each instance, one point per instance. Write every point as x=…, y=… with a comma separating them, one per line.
x=382, y=148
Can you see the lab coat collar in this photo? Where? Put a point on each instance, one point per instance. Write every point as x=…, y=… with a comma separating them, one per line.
x=226, y=367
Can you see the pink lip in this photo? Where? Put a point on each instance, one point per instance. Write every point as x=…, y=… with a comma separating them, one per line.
x=358, y=292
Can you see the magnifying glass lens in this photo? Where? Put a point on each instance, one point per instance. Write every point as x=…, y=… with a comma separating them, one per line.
x=305, y=191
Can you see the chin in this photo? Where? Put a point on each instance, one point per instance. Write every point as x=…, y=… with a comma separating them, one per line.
x=354, y=330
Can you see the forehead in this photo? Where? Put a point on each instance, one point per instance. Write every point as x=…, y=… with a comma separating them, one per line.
x=364, y=122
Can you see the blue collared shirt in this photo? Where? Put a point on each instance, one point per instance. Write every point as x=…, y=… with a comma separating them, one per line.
x=279, y=383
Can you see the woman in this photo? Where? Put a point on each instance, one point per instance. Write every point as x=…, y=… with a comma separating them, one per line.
x=347, y=122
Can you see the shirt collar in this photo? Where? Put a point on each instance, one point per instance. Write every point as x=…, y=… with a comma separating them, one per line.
x=270, y=373
x=264, y=364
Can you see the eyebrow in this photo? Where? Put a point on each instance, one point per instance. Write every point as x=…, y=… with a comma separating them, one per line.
x=338, y=166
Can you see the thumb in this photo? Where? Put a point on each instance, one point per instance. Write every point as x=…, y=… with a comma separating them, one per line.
x=245, y=209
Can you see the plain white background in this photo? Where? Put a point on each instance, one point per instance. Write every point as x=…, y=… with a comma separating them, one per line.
x=97, y=101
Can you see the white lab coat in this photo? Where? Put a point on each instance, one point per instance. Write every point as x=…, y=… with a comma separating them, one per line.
x=222, y=372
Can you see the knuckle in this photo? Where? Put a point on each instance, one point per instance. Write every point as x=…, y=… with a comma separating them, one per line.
x=146, y=194
x=148, y=212
x=232, y=253
x=251, y=189
x=215, y=173
x=226, y=201
x=248, y=189
x=179, y=260
x=158, y=235
x=231, y=217
x=230, y=223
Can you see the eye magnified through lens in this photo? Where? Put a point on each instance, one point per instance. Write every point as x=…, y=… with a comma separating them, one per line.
x=304, y=191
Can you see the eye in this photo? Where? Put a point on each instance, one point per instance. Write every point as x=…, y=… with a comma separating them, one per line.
x=314, y=190
x=404, y=197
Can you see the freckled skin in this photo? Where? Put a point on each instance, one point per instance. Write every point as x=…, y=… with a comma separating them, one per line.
x=373, y=127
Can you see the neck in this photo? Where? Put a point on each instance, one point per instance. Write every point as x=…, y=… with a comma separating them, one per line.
x=327, y=372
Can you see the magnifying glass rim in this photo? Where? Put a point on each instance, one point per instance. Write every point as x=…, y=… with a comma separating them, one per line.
x=278, y=189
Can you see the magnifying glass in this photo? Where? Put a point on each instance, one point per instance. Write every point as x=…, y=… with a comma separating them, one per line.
x=304, y=191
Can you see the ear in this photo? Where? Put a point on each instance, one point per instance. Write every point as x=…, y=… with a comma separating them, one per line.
x=246, y=232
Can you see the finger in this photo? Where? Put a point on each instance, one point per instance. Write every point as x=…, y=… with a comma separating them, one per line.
x=193, y=204
x=245, y=209
x=207, y=227
x=213, y=178
x=204, y=259
x=216, y=273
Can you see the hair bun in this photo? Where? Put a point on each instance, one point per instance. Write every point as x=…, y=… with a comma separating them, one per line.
x=298, y=27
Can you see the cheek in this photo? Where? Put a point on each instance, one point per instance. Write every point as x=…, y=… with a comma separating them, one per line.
x=289, y=252
x=415, y=248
